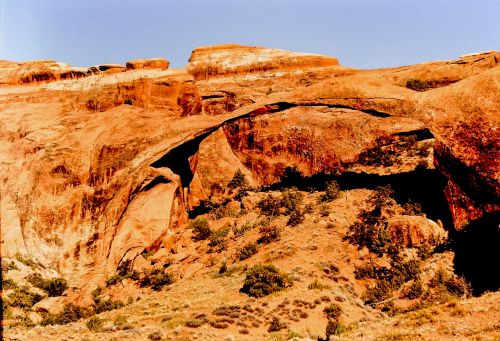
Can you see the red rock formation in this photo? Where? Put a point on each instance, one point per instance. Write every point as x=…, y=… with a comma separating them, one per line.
x=88, y=181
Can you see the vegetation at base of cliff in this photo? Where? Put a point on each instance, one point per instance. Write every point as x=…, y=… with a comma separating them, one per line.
x=262, y=280
x=238, y=180
x=23, y=298
x=54, y=287
x=201, y=229
x=123, y=271
x=156, y=279
x=70, y=313
x=332, y=191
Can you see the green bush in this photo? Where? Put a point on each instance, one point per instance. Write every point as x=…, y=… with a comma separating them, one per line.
x=415, y=290
x=217, y=237
x=23, y=298
x=333, y=311
x=240, y=231
x=417, y=84
x=95, y=324
x=201, y=230
x=28, y=261
x=332, y=191
x=8, y=284
x=70, y=313
x=262, y=280
x=238, y=180
x=56, y=287
x=276, y=325
x=296, y=218
x=247, y=251
x=124, y=271
x=156, y=279
x=269, y=233
x=270, y=205
x=334, y=327
x=106, y=305
x=291, y=199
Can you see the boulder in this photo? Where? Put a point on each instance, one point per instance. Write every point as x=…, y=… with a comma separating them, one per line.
x=415, y=230
x=53, y=305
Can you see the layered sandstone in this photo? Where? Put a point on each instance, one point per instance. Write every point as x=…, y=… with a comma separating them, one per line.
x=96, y=169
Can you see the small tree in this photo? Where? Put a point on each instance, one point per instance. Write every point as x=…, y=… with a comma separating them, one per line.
x=238, y=180
x=332, y=191
x=201, y=230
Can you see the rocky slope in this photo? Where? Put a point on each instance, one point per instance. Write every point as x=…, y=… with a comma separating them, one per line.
x=102, y=164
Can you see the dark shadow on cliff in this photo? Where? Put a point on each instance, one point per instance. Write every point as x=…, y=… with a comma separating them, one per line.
x=477, y=253
x=423, y=186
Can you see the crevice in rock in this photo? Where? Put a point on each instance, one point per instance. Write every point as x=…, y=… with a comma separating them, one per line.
x=423, y=186
x=477, y=253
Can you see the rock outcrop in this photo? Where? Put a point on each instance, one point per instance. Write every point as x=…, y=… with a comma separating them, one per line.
x=98, y=167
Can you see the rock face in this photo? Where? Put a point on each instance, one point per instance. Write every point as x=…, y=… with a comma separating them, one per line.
x=154, y=63
x=210, y=61
x=99, y=167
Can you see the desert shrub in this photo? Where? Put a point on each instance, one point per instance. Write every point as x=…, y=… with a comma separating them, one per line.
x=291, y=199
x=333, y=311
x=316, y=285
x=452, y=284
x=247, y=251
x=417, y=84
x=155, y=336
x=269, y=205
x=332, y=191
x=238, y=180
x=276, y=325
x=370, y=233
x=194, y=323
x=412, y=208
x=7, y=266
x=70, y=313
x=240, y=231
x=201, y=230
x=95, y=324
x=106, y=305
x=124, y=271
x=309, y=208
x=324, y=210
x=8, y=284
x=425, y=251
x=296, y=218
x=415, y=290
x=120, y=320
x=377, y=293
x=23, y=298
x=28, y=261
x=217, y=238
x=56, y=287
x=22, y=321
x=156, y=279
x=269, y=233
x=387, y=279
x=334, y=327
x=262, y=280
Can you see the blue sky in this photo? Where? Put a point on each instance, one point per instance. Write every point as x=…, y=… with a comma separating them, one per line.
x=363, y=34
